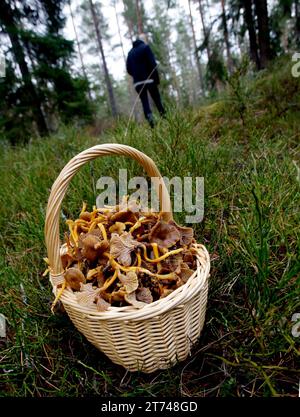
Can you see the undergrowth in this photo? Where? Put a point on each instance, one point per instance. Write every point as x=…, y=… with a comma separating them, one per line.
x=246, y=146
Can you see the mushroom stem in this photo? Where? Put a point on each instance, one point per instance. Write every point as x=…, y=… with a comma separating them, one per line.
x=103, y=231
x=83, y=207
x=58, y=296
x=139, y=259
x=162, y=257
x=156, y=253
x=73, y=231
x=137, y=224
x=92, y=272
x=48, y=267
x=109, y=282
x=137, y=269
x=92, y=227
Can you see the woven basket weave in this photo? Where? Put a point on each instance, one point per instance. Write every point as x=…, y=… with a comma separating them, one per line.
x=161, y=333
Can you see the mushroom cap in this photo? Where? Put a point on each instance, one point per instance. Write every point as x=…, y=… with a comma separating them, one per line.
x=101, y=304
x=164, y=234
x=86, y=295
x=85, y=216
x=124, y=216
x=165, y=292
x=66, y=259
x=129, y=281
x=186, y=233
x=122, y=246
x=92, y=247
x=189, y=258
x=117, y=227
x=74, y=278
x=131, y=299
x=171, y=264
x=144, y=294
x=185, y=272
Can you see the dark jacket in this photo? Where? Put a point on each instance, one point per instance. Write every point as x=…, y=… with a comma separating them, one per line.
x=141, y=64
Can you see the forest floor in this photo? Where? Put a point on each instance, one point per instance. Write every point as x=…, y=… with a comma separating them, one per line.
x=246, y=146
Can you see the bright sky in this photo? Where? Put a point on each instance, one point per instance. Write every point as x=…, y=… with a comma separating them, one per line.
x=114, y=57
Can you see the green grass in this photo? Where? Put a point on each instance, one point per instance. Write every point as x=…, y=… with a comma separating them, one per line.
x=246, y=146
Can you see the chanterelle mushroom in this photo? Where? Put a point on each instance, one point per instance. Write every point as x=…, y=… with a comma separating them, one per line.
x=164, y=234
x=101, y=304
x=122, y=246
x=74, y=278
x=129, y=256
x=144, y=294
x=92, y=246
x=131, y=299
x=118, y=227
x=186, y=233
x=129, y=281
x=85, y=215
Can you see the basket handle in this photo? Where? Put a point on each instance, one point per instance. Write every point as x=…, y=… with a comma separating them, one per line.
x=60, y=186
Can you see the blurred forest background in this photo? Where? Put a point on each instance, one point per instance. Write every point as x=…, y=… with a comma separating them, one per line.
x=65, y=60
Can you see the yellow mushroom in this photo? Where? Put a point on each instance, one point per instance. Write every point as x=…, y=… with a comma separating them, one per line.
x=103, y=231
x=138, y=269
x=74, y=277
x=110, y=281
x=162, y=257
x=58, y=295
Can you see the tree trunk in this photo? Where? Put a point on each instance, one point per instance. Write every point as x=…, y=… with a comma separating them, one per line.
x=197, y=59
x=7, y=19
x=129, y=83
x=248, y=15
x=79, y=51
x=205, y=31
x=226, y=38
x=106, y=73
x=129, y=23
x=139, y=16
x=297, y=15
x=261, y=9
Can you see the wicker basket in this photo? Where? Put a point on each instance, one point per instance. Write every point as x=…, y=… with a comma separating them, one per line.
x=161, y=333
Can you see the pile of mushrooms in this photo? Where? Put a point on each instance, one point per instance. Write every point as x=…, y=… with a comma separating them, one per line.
x=123, y=255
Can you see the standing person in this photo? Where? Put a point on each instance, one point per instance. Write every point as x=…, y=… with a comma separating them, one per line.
x=141, y=65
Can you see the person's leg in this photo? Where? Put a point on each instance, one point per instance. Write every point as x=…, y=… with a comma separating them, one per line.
x=154, y=92
x=142, y=92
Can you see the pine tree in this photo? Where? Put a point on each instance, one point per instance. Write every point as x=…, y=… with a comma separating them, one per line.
x=139, y=17
x=128, y=78
x=185, y=63
x=9, y=19
x=79, y=49
x=249, y=20
x=261, y=10
x=196, y=50
x=47, y=91
x=297, y=23
x=108, y=82
x=226, y=37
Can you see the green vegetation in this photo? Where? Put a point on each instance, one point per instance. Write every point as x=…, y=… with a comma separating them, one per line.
x=246, y=146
